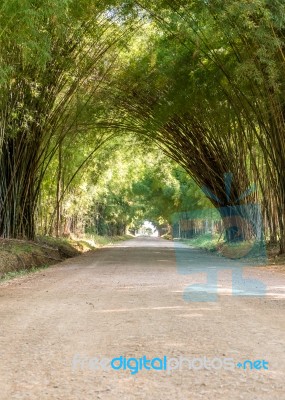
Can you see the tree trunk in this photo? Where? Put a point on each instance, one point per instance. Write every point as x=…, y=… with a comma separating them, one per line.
x=18, y=194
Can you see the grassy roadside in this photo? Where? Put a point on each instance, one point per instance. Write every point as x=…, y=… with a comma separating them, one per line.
x=207, y=242
x=20, y=257
x=21, y=272
x=215, y=244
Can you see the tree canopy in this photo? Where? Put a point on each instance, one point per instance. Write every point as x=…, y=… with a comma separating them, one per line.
x=200, y=82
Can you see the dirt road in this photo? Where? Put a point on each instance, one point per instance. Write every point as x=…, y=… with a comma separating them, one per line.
x=128, y=301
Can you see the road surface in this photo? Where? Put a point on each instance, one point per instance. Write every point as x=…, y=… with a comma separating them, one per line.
x=61, y=327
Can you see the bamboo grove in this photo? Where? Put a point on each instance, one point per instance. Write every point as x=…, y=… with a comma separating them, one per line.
x=203, y=80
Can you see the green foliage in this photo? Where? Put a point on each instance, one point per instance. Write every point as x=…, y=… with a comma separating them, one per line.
x=120, y=188
x=21, y=272
x=206, y=241
x=203, y=80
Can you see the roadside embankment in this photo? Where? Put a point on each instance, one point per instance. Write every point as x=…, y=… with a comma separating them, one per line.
x=18, y=257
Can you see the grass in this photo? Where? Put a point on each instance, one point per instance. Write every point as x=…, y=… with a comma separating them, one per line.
x=100, y=241
x=21, y=272
x=66, y=247
x=17, y=247
x=250, y=249
x=19, y=257
x=207, y=241
x=81, y=244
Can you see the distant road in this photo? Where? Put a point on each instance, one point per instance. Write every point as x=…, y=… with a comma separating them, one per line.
x=127, y=300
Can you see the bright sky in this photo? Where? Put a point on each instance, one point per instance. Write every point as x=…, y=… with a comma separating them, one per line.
x=148, y=224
